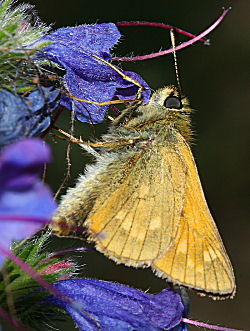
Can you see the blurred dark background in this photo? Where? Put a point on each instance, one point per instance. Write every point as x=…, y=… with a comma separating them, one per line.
x=215, y=80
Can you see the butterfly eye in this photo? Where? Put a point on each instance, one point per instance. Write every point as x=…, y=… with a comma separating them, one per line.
x=173, y=102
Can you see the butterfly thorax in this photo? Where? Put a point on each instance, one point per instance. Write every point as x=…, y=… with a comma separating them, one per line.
x=158, y=121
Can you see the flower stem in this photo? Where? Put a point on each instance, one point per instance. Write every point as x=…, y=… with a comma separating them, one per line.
x=183, y=45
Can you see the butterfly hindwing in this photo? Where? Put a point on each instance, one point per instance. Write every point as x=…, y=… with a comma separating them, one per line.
x=137, y=222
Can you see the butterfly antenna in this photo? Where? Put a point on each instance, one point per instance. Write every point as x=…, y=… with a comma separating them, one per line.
x=172, y=35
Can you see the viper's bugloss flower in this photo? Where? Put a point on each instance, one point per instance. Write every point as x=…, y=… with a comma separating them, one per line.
x=26, y=203
x=87, y=77
x=100, y=305
x=22, y=117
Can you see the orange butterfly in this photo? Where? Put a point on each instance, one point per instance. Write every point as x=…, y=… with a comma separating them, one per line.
x=143, y=203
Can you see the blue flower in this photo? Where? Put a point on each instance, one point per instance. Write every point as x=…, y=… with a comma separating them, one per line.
x=185, y=300
x=111, y=306
x=26, y=203
x=25, y=116
x=87, y=77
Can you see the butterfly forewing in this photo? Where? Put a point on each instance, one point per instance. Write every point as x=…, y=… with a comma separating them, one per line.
x=196, y=257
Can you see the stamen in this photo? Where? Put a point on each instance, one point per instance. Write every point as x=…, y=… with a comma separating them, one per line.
x=183, y=45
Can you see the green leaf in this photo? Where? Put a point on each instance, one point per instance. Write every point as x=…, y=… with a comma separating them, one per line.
x=4, y=7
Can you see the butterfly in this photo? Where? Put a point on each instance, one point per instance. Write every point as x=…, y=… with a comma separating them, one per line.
x=142, y=201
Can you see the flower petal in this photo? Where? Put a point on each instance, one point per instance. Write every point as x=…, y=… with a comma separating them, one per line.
x=104, y=87
x=69, y=44
x=22, y=193
x=25, y=116
x=129, y=91
x=117, y=307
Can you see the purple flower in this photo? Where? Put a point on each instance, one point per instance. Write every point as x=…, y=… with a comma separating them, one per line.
x=87, y=77
x=26, y=203
x=25, y=116
x=111, y=306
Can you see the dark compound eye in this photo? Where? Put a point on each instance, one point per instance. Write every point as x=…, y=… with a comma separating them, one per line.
x=173, y=102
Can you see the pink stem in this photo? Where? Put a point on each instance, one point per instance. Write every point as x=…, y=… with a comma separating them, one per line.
x=158, y=25
x=208, y=326
x=183, y=45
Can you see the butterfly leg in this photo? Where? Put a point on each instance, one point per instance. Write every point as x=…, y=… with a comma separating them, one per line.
x=108, y=144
